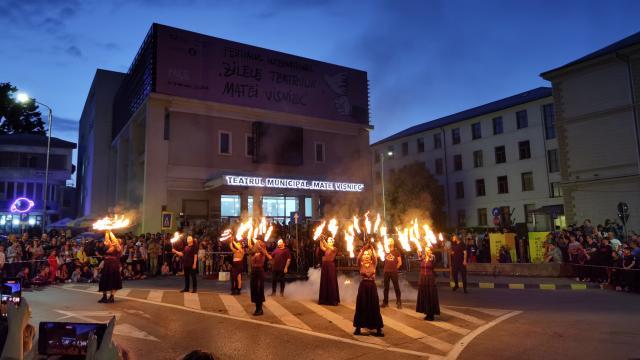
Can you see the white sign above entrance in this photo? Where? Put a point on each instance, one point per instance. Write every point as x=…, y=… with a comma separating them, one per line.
x=256, y=181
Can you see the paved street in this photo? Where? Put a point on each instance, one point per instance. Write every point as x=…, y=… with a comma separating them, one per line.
x=154, y=318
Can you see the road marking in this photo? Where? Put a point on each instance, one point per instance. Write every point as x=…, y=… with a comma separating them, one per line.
x=123, y=292
x=413, y=333
x=233, y=306
x=438, y=323
x=284, y=327
x=462, y=343
x=459, y=315
x=284, y=315
x=492, y=312
x=92, y=288
x=485, y=285
x=191, y=300
x=516, y=286
x=339, y=321
x=547, y=286
x=155, y=295
x=120, y=329
x=578, y=286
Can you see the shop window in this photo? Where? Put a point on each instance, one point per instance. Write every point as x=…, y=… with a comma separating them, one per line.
x=230, y=205
x=308, y=207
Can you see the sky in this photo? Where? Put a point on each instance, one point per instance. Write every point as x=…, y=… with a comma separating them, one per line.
x=425, y=59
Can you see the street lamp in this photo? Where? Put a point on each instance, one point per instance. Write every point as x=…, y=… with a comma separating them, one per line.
x=24, y=98
x=384, y=204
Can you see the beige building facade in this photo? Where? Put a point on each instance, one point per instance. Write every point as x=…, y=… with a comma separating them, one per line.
x=596, y=100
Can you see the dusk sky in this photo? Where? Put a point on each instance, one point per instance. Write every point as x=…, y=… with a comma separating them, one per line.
x=425, y=59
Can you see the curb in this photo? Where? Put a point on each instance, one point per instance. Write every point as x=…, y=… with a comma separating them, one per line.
x=523, y=286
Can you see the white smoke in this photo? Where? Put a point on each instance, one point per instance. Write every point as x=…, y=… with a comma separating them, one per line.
x=348, y=285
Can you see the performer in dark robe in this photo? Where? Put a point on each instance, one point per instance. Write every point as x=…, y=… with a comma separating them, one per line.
x=110, y=278
x=367, y=302
x=281, y=260
x=257, y=275
x=427, y=292
x=236, y=268
x=329, y=293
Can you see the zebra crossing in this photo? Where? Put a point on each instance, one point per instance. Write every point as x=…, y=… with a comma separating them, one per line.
x=405, y=330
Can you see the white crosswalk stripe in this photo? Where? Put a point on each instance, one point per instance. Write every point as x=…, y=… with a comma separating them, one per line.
x=413, y=333
x=492, y=312
x=459, y=315
x=438, y=323
x=340, y=322
x=123, y=292
x=155, y=295
x=92, y=288
x=284, y=315
x=191, y=300
x=233, y=306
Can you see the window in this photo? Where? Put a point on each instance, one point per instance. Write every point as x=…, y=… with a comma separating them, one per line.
x=528, y=211
x=552, y=157
x=497, y=125
x=477, y=158
x=308, y=207
x=225, y=143
x=549, y=121
x=229, y=205
x=455, y=136
x=319, y=152
x=524, y=149
x=480, y=190
x=420, y=143
x=503, y=185
x=482, y=217
x=476, y=131
x=501, y=154
x=249, y=146
x=405, y=148
x=462, y=218
x=556, y=190
x=457, y=162
x=439, y=166
x=437, y=141
x=460, y=190
x=527, y=181
x=279, y=207
x=521, y=119
x=390, y=152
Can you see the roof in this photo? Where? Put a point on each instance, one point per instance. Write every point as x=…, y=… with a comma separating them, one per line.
x=610, y=49
x=511, y=101
x=35, y=140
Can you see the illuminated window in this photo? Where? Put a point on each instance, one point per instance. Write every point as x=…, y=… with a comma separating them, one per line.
x=225, y=143
x=229, y=205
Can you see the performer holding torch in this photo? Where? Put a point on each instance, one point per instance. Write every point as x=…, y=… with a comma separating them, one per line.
x=110, y=279
x=257, y=275
x=329, y=292
x=236, y=268
x=427, y=302
x=367, y=302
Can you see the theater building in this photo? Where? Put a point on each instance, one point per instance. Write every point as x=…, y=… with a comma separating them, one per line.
x=214, y=129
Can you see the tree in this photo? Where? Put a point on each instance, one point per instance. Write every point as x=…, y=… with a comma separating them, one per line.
x=413, y=192
x=18, y=118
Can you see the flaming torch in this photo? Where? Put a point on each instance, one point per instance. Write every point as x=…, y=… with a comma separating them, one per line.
x=367, y=223
x=333, y=227
x=349, y=235
x=175, y=238
x=108, y=223
x=226, y=235
x=318, y=231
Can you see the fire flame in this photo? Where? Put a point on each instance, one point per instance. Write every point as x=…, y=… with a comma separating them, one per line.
x=349, y=235
x=381, y=252
x=107, y=223
x=318, y=231
x=226, y=235
x=333, y=227
x=376, y=225
x=356, y=225
x=367, y=222
x=176, y=237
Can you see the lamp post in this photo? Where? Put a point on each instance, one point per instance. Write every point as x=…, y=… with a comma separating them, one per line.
x=24, y=98
x=384, y=203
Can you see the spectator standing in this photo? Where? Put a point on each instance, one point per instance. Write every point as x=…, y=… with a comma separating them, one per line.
x=459, y=263
x=554, y=255
x=154, y=253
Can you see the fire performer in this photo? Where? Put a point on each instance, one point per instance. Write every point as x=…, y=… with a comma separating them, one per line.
x=459, y=262
x=329, y=293
x=392, y=262
x=427, y=302
x=189, y=257
x=367, y=302
x=110, y=279
x=257, y=275
x=236, y=268
x=281, y=260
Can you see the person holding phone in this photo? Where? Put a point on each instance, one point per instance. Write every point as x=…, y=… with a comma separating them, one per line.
x=110, y=280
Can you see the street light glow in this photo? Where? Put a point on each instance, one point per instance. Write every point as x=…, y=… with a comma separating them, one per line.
x=390, y=153
x=23, y=97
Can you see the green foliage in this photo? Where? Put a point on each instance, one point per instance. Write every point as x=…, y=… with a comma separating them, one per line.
x=412, y=191
x=17, y=118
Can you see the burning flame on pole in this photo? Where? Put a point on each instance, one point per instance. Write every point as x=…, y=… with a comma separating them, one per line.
x=318, y=231
x=381, y=253
x=333, y=227
x=349, y=235
x=356, y=225
x=367, y=223
x=226, y=235
x=108, y=223
x=175, y=238
x=376, y=225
